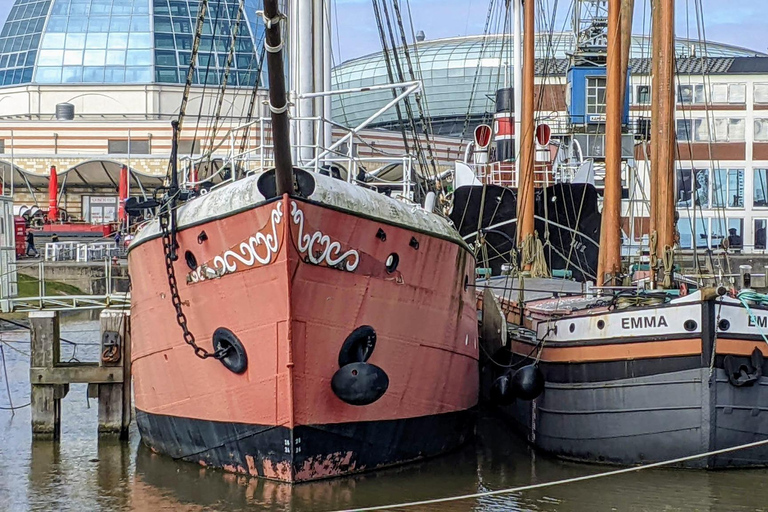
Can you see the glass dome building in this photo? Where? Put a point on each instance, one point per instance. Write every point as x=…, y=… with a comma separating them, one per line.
x=126, y=42
x=461, y=74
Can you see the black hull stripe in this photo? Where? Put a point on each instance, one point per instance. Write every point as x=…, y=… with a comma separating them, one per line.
x=308, y=452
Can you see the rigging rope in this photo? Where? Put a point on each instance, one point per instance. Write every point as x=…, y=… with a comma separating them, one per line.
x=748, y=296
x=542, y=485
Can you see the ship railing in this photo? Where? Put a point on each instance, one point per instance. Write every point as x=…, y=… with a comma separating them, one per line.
x=504, y=174
x=242, y=158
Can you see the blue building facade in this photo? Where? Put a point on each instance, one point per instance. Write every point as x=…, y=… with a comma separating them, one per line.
x=127, y=41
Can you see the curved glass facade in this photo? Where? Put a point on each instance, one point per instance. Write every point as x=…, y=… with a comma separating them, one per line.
x=126, y=41
x=20, y=39
x=453, y=68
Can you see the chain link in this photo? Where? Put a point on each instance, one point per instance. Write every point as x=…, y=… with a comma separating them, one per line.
x=181, y=318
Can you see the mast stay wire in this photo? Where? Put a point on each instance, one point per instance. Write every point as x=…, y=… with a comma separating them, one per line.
x=420, y=156
x=390, y=74
x=542, y=485
x=425, y=119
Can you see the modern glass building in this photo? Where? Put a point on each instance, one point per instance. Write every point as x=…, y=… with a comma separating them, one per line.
x=127, y=42
x=460, y=75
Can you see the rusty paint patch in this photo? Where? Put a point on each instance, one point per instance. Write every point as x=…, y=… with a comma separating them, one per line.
x=251, y=466
x=323, y=466
x=277, y=471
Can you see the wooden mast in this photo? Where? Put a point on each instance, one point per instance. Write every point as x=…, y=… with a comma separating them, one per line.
x=278, y=101
x=609, y=262
x=627, y=11
x=525, y=195
x=662, y=128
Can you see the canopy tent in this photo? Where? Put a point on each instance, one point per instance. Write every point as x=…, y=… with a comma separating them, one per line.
x=91, y=174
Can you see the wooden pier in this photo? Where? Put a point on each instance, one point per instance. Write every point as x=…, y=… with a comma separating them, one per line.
x=109, y=380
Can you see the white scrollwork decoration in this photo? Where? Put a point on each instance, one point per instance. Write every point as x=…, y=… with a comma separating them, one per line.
x=329, y=251
x=248, y=254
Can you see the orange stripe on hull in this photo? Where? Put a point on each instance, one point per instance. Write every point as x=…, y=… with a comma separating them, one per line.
x=725, y=346
x=293, y=316
x=614, y=352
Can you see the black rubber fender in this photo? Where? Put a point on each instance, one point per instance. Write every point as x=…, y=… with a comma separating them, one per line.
x=358, y=346
x=236, y=359
x=359, y=383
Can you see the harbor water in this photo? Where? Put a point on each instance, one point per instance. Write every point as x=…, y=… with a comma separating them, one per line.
x=83, y=473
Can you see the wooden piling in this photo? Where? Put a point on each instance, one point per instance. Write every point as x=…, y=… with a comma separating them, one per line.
x=109, y=380
x=115, y=398
x=45, y=353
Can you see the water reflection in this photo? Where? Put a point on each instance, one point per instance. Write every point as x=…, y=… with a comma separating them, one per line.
x=81, y=473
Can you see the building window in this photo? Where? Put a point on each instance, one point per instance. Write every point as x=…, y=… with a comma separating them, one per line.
x=595, y=95
x=761, y=130
x=692, y=130
x=690, y=94
x=693, y=185
x=728, y=188
x=729, y=93
x=761, y=93
x=710, y=232
x=760, y=188
x=759, y=233
x=729, y=129
x=120, y=147
x=2, y=145
x=643, y=95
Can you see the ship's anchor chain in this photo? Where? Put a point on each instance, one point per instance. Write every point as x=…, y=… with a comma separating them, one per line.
x=169, y=248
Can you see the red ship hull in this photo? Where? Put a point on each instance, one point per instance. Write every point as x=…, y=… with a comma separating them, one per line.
x=292, y=300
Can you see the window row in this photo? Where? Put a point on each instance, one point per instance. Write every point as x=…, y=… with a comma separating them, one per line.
x=20, y=43
x=207, y=43
x=13, y=60
x=93, y=74
x=20, y=28
x=719, y=130
x=695, y=94
x=241, y=61
x=30, y=10
x=79, y=24
x=189, y=8
x=187, y=26
x=95, y=57
x=712, y=233
x=179, y=75
x=96, y=7
x=114, y=40
x=723, y=188
x=16, y=76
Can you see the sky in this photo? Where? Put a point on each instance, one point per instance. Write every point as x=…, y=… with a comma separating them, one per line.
x=741, y=23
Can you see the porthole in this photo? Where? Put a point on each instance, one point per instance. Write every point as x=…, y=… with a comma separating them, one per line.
x=690, y=325
x=601, y=324
x=572, y=327
x=723, y=324
x=392, y=261
x=190, y=259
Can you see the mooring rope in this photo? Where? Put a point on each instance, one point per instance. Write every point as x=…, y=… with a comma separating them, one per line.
x=559, y=482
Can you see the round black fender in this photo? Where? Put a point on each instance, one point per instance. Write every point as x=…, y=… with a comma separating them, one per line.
x=236, y=360
x=358, y=346
x=359, y=383
x=528, y=382
x=501, y=390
